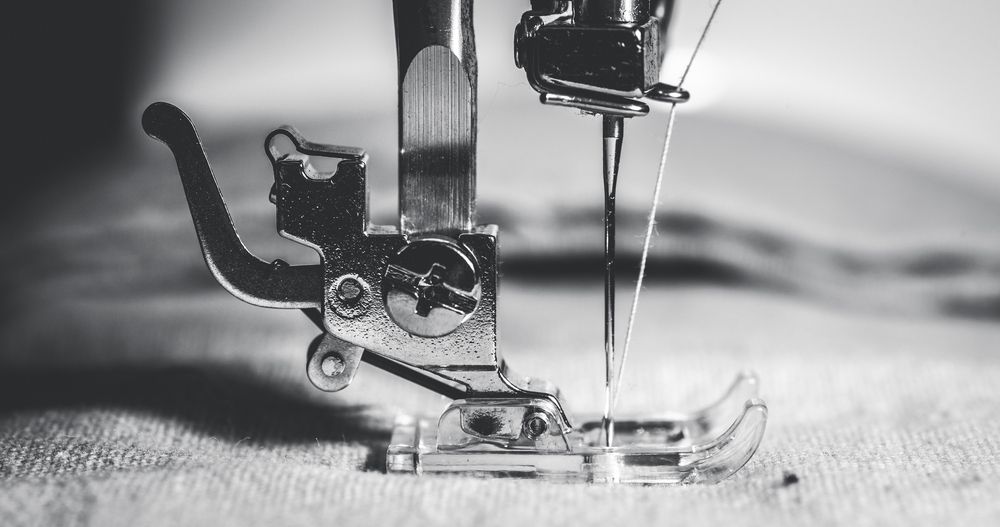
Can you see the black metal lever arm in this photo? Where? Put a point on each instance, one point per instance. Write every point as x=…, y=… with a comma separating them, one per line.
x=246, y=276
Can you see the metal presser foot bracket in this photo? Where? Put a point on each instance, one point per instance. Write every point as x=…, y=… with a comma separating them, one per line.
x=418, y=299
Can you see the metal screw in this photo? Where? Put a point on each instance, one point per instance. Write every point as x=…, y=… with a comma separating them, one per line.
x=350, y=290
x=333, y=365
x=535, y=425
x=431, y=287
x=350, y=296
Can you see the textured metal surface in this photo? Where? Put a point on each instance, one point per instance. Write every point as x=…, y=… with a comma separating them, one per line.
x=613, y=133
x=667, y=93
x=351, y=296
x=327, y=349
x=417, y=376
x=331, y=215
x=437, y=115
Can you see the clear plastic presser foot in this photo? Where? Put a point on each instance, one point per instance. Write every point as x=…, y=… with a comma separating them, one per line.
x=527, y=438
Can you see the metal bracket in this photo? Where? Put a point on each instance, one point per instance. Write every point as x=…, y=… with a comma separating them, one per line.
x=328, y=212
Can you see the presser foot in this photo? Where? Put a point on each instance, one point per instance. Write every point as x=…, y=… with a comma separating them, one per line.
x=523, y=438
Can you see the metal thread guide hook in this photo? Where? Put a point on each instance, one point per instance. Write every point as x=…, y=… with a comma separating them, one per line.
x=419, y=299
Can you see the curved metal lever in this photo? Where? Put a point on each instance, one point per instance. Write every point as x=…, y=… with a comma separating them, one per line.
x=246, y=276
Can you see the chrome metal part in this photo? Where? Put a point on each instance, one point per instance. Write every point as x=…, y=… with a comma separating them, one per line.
x=617, y=106
x=350, y=296
x=600, y=56
x=535, y=425
x=613, y=133
x=588, y=54
x=419, y=377
x=431, y=287
x=600, y=12
x=332, y=363
x=437, y=115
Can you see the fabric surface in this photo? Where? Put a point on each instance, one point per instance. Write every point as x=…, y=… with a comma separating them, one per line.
x=134, y=391
x=871, y=422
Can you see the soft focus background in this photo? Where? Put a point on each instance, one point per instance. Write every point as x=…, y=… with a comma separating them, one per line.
x=830, y=219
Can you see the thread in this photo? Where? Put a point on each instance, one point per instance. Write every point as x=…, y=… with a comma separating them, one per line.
x=651, y=219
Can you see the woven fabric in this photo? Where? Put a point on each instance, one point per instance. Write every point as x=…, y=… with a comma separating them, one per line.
x=881, y=422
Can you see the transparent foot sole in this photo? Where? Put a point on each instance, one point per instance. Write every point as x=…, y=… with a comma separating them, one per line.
x=702, y=447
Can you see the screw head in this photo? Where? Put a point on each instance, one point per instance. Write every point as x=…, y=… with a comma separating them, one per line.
x=431, y=287
x=350, y=290
x=333, y=365
x=535, y=425
x=349, y=296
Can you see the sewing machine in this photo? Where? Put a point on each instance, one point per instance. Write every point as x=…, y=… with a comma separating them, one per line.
x=419, y=299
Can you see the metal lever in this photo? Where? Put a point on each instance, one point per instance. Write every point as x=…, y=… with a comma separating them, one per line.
x=437, y=115
x=244, y=275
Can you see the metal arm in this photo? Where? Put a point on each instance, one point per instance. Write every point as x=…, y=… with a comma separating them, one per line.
x=247, y=277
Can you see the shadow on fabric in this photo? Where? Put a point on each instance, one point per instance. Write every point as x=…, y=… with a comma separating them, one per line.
x=219, y=404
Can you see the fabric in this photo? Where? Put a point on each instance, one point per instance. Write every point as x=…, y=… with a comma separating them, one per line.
x=885, y=422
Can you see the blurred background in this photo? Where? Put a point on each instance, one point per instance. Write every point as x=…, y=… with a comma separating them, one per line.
x=830, y=218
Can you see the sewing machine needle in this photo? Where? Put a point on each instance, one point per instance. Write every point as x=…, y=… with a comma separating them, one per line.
x=614, y=127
